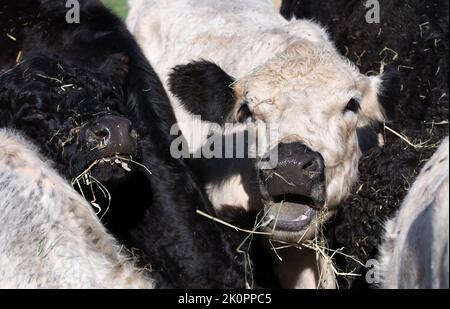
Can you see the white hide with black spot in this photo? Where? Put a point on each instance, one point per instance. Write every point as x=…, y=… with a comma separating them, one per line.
x=289, y=73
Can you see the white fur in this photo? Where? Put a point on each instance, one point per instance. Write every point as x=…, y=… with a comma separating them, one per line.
x=415, y=251
x=277, y=4
x=295, y=269
x=49, y=235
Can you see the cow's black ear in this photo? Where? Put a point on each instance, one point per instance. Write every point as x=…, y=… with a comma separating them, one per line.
x=295, y=9
x=204, y=89
x=389, y=91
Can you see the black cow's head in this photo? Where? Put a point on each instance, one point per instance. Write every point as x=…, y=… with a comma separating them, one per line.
x=80, y=119
x=76, y=115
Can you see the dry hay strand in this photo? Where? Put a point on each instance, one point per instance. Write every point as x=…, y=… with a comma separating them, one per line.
x=133, y=255
x=318, y=244
x=245, y=245
x=323, y=253
x=19, y=56
x=73, y=135
x=416, y=146
x=59, y=81
x=11, y=37
x=90, y=181
x=215, y=219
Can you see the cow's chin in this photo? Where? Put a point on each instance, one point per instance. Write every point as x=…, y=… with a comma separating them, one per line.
x=292, y=222
x=106, y=173
x=112, y=169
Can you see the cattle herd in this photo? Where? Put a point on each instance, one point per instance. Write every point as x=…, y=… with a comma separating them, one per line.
x=224, y=144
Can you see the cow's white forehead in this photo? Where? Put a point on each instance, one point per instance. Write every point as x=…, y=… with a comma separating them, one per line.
x=304, y=68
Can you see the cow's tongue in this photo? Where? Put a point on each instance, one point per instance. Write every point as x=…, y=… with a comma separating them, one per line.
x=288, y=216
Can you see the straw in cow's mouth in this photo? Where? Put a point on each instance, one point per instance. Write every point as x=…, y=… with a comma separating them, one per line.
x=318, y=244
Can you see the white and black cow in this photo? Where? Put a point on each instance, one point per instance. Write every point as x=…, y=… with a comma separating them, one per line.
x=260, y=68
x=49, y=235
x=414, y=253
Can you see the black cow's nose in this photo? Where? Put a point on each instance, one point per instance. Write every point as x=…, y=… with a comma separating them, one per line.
x=299, y=176
x=110, y=135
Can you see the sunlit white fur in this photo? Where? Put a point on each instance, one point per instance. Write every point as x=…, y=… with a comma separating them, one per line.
x=49, y=235
x=415, y=252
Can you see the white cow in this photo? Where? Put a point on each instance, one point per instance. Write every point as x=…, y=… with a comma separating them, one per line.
x=49, y=235
x=414, y=253
x=271, y=71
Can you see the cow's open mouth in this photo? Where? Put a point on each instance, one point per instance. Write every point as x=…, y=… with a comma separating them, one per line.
x=290, y=213
x=111, y=168
x=294, y=192
x=120, y=161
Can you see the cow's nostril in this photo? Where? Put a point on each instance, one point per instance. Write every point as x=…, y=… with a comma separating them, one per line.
x=308, y=165
x=97, y=136
x=110, y=135
x=299, y=177
x=100, y=134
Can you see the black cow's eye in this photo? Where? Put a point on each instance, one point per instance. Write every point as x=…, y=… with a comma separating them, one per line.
x=353, y=106
x=244, y=113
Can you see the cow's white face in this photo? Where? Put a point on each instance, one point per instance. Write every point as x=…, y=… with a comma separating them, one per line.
x=317, y=98
x=326, y=112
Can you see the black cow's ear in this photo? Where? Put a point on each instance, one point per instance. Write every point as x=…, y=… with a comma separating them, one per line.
x=204, y=89
x=389, y=91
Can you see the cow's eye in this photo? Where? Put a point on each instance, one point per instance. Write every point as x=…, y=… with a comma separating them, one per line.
x=353, y=106
x=244, y=113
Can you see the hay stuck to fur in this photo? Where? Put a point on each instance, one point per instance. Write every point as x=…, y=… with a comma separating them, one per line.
x=11, y=37
x=90, y=181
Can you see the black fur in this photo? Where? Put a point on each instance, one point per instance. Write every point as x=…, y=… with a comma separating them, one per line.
x=295, y=8
x=204, y=89
x=367, y=139
x=109, y=74
x=48, y=98
x=416, y=32
x=389, y=92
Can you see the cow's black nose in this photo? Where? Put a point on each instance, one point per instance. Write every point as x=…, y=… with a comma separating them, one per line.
x=299, y=176
x=110, y=135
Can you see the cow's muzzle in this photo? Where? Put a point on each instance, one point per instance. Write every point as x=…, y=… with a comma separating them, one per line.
x=296, y=188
